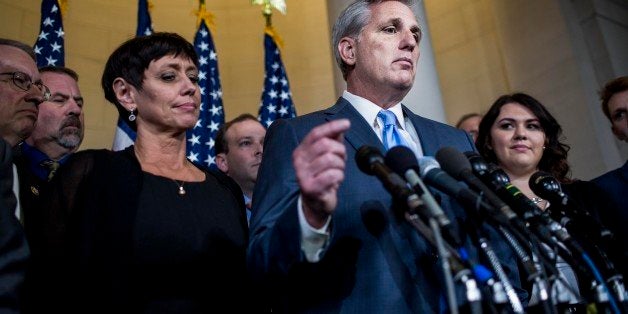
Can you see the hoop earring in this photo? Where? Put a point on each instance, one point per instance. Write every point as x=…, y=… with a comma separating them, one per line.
x=132, y=115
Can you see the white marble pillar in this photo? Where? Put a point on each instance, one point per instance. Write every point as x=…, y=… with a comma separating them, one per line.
x=425, y=97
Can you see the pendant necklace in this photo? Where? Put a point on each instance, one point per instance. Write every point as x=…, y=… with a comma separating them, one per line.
x=180, y=184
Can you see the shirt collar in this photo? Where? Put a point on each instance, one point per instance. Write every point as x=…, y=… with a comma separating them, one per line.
x=369, y=110
x=35, y=158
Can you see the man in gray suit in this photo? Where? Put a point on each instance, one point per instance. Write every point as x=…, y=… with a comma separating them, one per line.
x=21, y=91
x=324, y=237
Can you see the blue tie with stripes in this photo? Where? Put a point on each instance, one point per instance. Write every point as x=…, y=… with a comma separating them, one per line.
x=390, y=133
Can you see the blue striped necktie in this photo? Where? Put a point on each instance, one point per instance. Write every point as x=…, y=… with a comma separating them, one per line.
x=390, y=133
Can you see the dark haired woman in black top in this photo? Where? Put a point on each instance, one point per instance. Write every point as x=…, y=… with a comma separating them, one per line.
x=145, y=230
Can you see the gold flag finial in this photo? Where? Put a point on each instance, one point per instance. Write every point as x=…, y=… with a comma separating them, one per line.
x=267, y=11
x=203, y=15
x=267, y=8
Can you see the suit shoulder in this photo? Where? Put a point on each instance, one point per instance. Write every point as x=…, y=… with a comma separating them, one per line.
x=443, y=134
x=300, y=125
x=441, y=127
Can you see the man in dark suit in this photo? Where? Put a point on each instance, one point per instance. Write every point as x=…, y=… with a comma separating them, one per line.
x=324, y=237
x=614, y=97
x=58, y=133
x=21, y=90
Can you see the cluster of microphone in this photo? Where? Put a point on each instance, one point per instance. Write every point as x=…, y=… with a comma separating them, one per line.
x=537, y=237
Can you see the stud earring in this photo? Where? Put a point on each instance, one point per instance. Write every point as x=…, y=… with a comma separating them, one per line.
x=132, y=115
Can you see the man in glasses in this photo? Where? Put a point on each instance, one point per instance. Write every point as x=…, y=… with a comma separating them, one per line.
x=58, y=133
x=21, y=91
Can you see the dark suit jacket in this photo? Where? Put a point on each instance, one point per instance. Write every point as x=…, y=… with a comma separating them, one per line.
x=14, y=251
x=614, y=185
x=374, y=262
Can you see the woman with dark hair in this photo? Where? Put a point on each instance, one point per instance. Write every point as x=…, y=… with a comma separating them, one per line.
x=145, y=230
x=520, y=135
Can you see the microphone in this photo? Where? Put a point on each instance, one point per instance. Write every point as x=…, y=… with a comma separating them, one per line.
x=370, y=161
x=456, y=164
x=402, y=160
x=546, y=186
x=541, y=223
x=432, y=174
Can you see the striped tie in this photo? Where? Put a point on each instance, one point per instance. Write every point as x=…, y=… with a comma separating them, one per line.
x=52, y=167
x=390, y=133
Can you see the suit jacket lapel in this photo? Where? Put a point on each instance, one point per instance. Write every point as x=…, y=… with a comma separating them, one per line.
x=427, y=136
x=360, y=133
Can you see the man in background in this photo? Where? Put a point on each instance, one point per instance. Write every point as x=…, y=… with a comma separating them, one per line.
x=470, y=122
x=239, y=148
x=57, y=134
x=614, y=98
x=21, y=91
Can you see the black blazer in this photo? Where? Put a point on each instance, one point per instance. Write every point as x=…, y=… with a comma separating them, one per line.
x=14, y=251
x=89, y=230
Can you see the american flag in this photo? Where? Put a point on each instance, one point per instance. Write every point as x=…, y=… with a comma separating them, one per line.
x=144, y=24
x=49, y=46
x=276, y=96
x=125, y=136
x=201, y=138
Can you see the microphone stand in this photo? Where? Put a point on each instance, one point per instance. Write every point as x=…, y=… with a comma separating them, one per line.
x=451, y=261
x=535, y=276
x=474, y=224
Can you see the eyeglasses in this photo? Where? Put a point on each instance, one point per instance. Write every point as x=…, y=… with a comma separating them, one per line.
x=24, y=82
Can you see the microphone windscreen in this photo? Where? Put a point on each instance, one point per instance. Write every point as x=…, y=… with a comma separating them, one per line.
x=400, y=159
x=374, y=217
x=478, y=164
x=452, y=161
x=545, y=185
x=366, y=156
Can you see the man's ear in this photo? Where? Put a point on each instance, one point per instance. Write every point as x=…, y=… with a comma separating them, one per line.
x=621, y=136
x=125, y=93
x=221, y=162
x=346, y=48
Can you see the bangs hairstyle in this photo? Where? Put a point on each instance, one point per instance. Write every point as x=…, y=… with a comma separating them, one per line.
x=351, y=22
x=554, y=159
x=132, y=58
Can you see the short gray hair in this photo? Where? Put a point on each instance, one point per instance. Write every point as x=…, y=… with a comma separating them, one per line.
x=20, y=45
x=350, y=24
